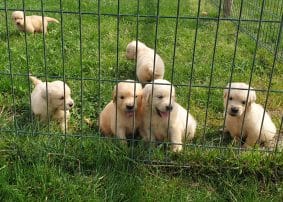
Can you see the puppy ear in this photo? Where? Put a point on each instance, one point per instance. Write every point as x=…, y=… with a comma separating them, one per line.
x=114, y=94
x=226, y=91
x=252, y=95
x=146, y=93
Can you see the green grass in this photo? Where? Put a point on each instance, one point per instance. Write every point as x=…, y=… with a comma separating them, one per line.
x=38, y=162
x=51, y=168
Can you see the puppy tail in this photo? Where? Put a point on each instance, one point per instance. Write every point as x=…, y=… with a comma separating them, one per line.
x=51, y=19
x=35, y=80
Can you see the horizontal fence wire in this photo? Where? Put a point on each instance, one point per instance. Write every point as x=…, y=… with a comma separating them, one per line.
x=260, y=20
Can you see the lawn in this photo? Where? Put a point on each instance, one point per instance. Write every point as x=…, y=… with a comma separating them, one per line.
x=87, y=50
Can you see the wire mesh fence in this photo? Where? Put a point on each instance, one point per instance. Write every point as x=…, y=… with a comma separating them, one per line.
x=268, y=13
x=202, y=52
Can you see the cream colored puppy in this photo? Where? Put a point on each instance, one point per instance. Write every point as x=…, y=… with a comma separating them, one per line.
x=118, y=115
x=237, y=107
x=31, y=23
x=52, y=102
x=145, y=62
x=162, y=104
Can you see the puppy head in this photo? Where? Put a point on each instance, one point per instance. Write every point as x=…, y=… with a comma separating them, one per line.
x=162, y=99
x=131, y=49
x=237, y=98
x=18, y=18
x=127, y=96
x=57, y=96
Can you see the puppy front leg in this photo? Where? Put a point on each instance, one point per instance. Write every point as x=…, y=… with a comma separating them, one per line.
x=250, y=141
x=146, y=135
x=176, y=139
x=121, y=133
x=62, y=118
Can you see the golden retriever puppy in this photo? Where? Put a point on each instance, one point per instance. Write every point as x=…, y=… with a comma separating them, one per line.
x=121, y=116
x=237, y=107
x=53, y=102
x=157, y=106
x=31, y=23
x=145, y=62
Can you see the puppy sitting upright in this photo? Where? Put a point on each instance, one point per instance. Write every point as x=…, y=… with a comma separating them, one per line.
x=56, y=98
x=237, y=107
x=158, y=106
x=145, y=62
x=118, y=115
x=31, y=23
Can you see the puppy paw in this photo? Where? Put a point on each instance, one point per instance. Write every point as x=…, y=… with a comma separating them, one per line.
x=177, y=148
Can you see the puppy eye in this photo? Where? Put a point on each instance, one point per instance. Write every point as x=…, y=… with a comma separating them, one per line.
x=160, y=97
x=136, y=96
x=230, y=98
x=121, y=97
x=243, y=102
x=61, y=98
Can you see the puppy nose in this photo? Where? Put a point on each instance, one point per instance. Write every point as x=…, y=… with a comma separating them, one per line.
x=71, y=104
x=169, y=108
x=130, y=107
x=234, y=110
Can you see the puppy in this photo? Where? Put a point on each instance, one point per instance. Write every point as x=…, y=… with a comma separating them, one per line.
x=53, y=102
x=145, y=62
x=237, y=107
x=31, y=23
x=118, y=115
x=157, y=107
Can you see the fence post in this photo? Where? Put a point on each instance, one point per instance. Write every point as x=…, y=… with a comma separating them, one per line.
x=227, y=7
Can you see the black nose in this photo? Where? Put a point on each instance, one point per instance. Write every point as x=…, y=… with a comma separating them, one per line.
x=130, y=107
x=234, y=110
x=169, y=108
x=18, y=23
x=71, y=104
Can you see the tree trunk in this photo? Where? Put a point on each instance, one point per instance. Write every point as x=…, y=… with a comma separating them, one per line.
x=227, y=7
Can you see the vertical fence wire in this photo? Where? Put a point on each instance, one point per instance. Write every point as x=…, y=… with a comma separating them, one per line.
x=81, y=69
x=172, y=75
x=280, y=132
x=232, y=68
x=211, y=71
x=152, y=90
x=45, y=68
x=10, y=70
x=135, y=66
x=193, y=56
x=63, y=72
x=28, y=68
x=99, y=55
x=252, y=72
x=117, y=76
x=271, y=75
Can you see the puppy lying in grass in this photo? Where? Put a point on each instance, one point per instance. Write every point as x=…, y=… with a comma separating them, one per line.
x=53, y=102
x=31, y=23
x=118, y=115
x=159, y=106
x=145, y=62
x=237, y=107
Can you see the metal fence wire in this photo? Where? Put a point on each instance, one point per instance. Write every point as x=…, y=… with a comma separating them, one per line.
x=203, y=53
x=268, y=12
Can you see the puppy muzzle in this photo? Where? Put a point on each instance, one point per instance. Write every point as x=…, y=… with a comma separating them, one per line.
x=234, y=111
x=164, y=114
